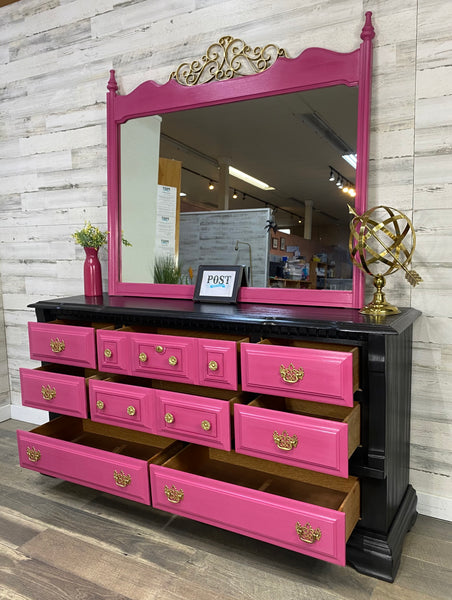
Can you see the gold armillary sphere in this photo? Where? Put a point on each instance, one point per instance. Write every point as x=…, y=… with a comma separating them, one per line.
x=381, y=247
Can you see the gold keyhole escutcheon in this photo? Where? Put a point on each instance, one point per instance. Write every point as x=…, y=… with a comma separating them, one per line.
x=108, y=353
x=172, y=361
x=131, y=410
x=57, y=345
x=33, y=454
x=100, y=405
x=121, y=479
x=173, y=494
x=213, y=365
x=307, y=534
x=143, y=357
x=169, y=418
x=206, y=425
x=291, y=374
x=159, y=349
x=48, y=393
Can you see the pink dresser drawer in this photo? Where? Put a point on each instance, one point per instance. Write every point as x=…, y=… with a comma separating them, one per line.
x=166, y=357
x=309, y=435
x=311, y=515
x=54, y=390
x=120, y=404
x=113, y=354
x=194, y=418
x=218, y=363
x=318, y=372
x=63, y=344
x=105, y=458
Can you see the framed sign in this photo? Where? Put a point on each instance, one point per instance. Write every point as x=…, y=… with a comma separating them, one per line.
x=219, y=283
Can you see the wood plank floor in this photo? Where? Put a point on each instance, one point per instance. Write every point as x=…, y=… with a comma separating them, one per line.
x=61, y=541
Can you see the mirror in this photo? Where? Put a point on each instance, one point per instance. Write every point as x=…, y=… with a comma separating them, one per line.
x=288, y=126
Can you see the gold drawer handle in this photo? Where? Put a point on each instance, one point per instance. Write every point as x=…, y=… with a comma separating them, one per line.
x=159, y=349
x=290, y=374
x=206, y=425
x=169, y=418
x=213, y=365
x=108, y=353
x=174, y=495
x=57, y=345
x=33, y=454
x=48, y=393
x=121, y=479
x=284, y=441
x=307, y=534
x=100, y=405
x=172, y=361
x=131, y=410
x=143, y=356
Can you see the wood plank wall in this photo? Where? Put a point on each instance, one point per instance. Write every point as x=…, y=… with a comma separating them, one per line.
x=55, y=56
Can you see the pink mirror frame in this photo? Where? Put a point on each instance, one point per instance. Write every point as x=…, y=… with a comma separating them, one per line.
x=313, y=68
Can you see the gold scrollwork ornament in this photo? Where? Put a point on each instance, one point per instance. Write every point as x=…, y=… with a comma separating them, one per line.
x=48, y=393
x=229, y=57
x=173, y=494
x=284, y=441
x=290, y=374
x=307, y=534
x=121, y=479
x=33, y=454
x=57, y=345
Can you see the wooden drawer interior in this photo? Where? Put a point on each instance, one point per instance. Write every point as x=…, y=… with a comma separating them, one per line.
x=318, y=410
x=318, y=489
x=135, y=444
x=93, y=324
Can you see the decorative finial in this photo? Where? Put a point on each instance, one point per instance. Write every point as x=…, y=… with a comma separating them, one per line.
x=112, y=86
x=368, y=31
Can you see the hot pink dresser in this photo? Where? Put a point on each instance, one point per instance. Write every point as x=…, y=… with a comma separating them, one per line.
x=286, y=424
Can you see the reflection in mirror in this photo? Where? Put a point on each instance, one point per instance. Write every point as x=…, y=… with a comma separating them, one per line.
x=182, y=207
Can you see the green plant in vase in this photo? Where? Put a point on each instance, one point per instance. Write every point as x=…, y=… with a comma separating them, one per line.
x=166, y=270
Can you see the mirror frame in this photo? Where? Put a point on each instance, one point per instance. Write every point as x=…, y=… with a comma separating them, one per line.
x=313, y=68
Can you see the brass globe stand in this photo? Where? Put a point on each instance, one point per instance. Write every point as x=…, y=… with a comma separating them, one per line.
x=389, y=248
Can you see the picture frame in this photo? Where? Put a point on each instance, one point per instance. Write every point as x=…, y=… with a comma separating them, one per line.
x=282, y=243
x=275, y=243
x=219, y=283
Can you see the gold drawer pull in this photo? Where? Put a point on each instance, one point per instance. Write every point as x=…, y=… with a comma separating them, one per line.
x=33, y=454
x=108, y=353
x=290, y=374
x=307, y=534
x=143, y=356
x=213, y=365
x=206, y=425
x=100, y=405
x=284, y=441
x=172, y=361
x=131, y=410
x=48, y=393
x=174, y=495
x=169, y=418
x=121, y=479
x=57, y=345
x=159, y=349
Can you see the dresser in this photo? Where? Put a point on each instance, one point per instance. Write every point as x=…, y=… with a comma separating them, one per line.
x=284, y=423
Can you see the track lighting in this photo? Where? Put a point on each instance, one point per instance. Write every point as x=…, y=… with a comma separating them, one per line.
x=341, y=182
x=234, y=194
x=211, y=186
x=332, y=177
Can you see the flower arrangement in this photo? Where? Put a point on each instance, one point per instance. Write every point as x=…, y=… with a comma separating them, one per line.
x=92, y=237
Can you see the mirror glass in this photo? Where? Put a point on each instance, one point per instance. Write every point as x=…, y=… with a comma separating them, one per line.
x=181, y=205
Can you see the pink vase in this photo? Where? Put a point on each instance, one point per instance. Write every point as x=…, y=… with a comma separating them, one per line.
x=92, y=273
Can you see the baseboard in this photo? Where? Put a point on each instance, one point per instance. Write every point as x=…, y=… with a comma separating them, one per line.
x=5, y=412
x=439, y=507
x=29, y=415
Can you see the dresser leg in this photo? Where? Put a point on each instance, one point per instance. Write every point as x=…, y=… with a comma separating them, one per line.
x=376, y=554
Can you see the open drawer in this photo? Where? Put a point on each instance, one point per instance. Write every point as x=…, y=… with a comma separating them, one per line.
x=63, y=343
x=102, y=457
x=321, y=372
x=57, y=388
x=307, y=512
x=310, y=435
